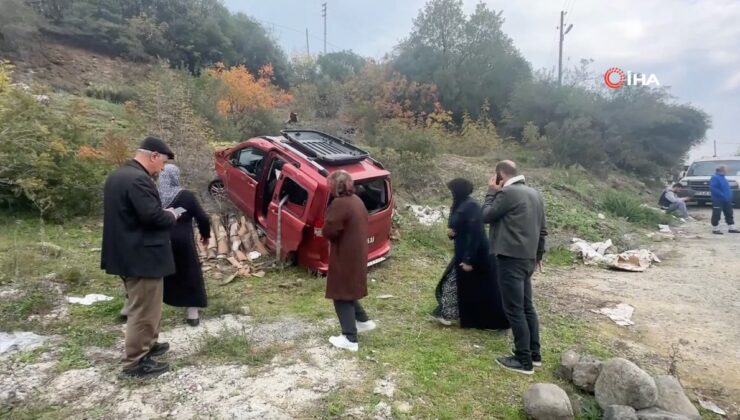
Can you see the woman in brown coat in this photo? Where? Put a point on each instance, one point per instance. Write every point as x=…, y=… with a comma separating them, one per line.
x=345, y=227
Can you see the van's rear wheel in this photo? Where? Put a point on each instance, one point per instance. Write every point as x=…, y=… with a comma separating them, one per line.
x=216, y=189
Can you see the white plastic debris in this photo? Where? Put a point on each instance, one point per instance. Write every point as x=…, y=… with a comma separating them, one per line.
x=708, y=405
x=253, y=255
x=620, y=314
x=385, y=296
x=19, y=341
x=601, y=216
x=88, y=299
x=664, y=229
x=596, y=254
x=428, y=216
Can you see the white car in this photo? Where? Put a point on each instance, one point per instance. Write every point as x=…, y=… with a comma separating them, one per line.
x=700, y=172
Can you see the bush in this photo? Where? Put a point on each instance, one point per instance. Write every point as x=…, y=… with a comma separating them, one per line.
x=115, y=95
x=40, y=163
x=624, y=205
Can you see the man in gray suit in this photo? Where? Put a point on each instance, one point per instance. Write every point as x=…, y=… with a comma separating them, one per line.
x=517, y=216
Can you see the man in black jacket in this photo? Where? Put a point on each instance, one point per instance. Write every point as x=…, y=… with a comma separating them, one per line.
x=517, y=215
x=136, y=247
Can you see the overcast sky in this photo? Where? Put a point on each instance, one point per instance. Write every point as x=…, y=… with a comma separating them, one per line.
x=693, y=46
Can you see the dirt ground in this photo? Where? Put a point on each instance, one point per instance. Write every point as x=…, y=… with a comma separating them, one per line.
x=689, y=302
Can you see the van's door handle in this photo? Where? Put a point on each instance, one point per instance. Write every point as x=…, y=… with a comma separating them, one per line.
x=273, y=211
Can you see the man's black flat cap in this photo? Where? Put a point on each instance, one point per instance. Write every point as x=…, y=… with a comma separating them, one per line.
x=154, y=144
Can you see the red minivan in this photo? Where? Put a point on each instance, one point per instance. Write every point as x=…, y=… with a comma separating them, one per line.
x=281, y=184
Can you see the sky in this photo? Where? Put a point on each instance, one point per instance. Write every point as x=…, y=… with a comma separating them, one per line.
x=692, y=46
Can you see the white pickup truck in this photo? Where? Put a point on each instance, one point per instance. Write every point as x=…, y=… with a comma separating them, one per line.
x=701, y=170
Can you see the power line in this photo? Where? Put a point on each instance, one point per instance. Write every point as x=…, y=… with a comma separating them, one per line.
x=300, y=31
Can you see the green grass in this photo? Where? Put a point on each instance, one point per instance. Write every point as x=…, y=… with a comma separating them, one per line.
x=624, y=205
x=559, y=256
x=444, y=373
x=233, y=346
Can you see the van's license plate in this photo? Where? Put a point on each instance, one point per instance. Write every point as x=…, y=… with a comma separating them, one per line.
x=703, y=193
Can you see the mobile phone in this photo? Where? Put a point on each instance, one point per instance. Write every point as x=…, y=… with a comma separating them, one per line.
x=179, y=211
x=498, y=178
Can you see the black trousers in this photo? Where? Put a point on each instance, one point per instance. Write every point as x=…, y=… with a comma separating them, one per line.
x=515, y=278
x=349, y=313
x=718, y=208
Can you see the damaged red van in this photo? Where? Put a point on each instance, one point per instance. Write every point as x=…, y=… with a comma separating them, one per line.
x=281, y=184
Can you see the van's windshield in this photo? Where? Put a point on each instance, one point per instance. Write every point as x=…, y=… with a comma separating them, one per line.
x=374, y=193
x=708, y=168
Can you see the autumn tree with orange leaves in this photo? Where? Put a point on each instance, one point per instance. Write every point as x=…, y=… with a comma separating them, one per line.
x=244, y=93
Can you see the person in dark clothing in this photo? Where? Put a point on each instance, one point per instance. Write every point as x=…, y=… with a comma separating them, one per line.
x=136, y=247
x=721, y=201
x=472, y=273
x=345, y=227
x=185, y=288
x=517, y=215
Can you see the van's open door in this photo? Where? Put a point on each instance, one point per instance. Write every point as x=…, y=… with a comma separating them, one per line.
x=296, y=191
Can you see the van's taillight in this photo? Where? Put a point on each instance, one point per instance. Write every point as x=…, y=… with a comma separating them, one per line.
x=318, y=228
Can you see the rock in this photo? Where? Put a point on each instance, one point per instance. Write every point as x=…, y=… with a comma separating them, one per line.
x=382, y=411
x=403, y=407
x=585, y=374
x=384, y=387
x=50, y=249
x=658, y=414
x=622, y=382
x=671, y=397
x=619, y=412
x=567, y=361
x=547, y=402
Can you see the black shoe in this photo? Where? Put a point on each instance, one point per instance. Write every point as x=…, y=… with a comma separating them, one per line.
x=122, y=318
x=147, y=368
x=513, y=364
x=536, y=358
x=718, y=232
x=733, y=231
x=158, y=349
x=193, y=322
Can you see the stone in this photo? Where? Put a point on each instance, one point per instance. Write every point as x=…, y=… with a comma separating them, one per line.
x=382, y=411
x=585, y=374
x=547, y=402
x=619, y=412
x=672, y=398
x=404, y=407
x=655, y=413
x=622, y=382
x=567, y=361
x=384, y=387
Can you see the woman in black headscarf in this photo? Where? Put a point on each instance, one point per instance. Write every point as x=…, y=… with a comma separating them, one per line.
x=469, y=288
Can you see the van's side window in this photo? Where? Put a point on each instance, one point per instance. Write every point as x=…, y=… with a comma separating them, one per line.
x=249, y=159
x=297, y=197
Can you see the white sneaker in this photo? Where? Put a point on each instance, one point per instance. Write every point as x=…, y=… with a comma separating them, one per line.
x=341, y=342
x=443, y=321
x=366, y=326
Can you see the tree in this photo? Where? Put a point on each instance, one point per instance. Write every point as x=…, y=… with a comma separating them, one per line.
x=340, y=66
x=470, y=60
x=247, y=101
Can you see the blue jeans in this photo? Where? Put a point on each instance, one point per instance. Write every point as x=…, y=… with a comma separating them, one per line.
x=680, y=207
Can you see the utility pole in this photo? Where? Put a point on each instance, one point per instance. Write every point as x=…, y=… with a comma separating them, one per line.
x=308, y=50
x=715, y=147
x=562, y=38
x=323, y=14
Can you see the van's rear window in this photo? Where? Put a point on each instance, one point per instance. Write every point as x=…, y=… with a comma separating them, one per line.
x=374, y=193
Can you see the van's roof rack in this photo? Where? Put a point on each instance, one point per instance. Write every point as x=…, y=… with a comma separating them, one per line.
x=324, y=147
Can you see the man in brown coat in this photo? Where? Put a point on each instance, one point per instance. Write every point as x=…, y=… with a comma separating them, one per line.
x=345, y=226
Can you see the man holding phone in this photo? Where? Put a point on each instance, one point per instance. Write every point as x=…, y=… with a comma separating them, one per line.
x=136, y=247
x=516, y=213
